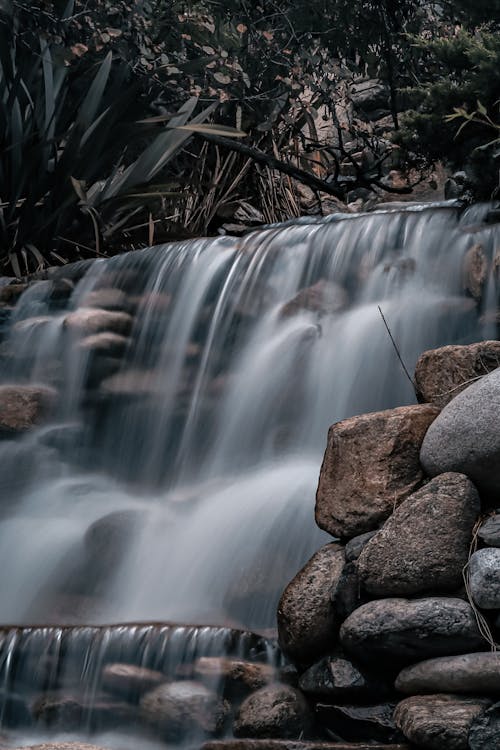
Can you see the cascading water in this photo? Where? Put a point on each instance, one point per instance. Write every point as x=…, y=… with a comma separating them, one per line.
x=176, y=480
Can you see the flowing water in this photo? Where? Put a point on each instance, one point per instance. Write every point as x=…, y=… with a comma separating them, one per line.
x=176, y=480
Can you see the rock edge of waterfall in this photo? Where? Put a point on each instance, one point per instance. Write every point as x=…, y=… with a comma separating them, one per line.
x=393, y=625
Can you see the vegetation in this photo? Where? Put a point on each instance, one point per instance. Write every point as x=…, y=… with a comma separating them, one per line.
x=122, y=123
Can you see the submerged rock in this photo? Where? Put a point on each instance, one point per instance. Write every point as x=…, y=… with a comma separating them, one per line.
x=465, y=436
x=274, y=711
x=405, y=630
x=87, y=321
x=324, y=297
x=425, y=543
x=484, y=578
x=477, y=673
x=441, y=374
x=371, y=464
x=233, y=675
x=130, y=681
x=23, y=407
x=438, y=722
x=306, y=615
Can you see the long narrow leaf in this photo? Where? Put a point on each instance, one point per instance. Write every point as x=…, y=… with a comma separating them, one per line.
x=93, y=100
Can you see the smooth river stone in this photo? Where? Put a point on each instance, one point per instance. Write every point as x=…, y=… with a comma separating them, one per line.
x=465, y=436
x=467, y=673
x=408, y=630
x=371, y=464
x=484, y=578
x=276, y=711
x=489, y=531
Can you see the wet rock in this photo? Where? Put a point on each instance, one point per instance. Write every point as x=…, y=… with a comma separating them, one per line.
x=106, y=299
x=484, y=578
x=234, y=676
x=475, y=272
x=108, y=538
x=268, y=744
x=130, y=681
x=324, y=297
x=355, y=723
x=404, y=630
x=337, y=678
x=61, y=746
x=23, y=407
x=306, y=616
x=355, y=546
x=108, y=343
x=89, y=321
x=181, y=709
x=425, y=543
x=477, y=673
x=484, y=732
x=10, y=293
x=370, y=465
x=441, y=374
x=274, y=711
x=134, y=384
x=436, y=722
x=348, y=594
x=489, y=531
x=465, y=436
x=70, y=713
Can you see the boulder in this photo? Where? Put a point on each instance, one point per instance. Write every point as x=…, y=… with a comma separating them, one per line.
x=107, y=539
x=130, y=681
x=182, y=709
x=354, y=723
x=484, y=578
x=475, y=272
x=489, y=531
x=441, y=374
x=276, y=711
x=23, y=407
x=425, y=543
x=355, y=546
x=106, y=343
x=484, y=732
x=438, y=722
x=338, y=678
x=87, y=321
x=465, y=436
x=68, y=712
x=233, y=675
x=324, y=297
x=477, y=673
x=370, y=465
x=107, y=299
x=404, y=630
x=306, y=616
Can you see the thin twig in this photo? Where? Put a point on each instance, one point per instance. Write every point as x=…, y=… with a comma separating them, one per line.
x=405, y=369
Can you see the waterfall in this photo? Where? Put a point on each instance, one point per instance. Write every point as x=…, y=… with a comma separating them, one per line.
x=176, y=479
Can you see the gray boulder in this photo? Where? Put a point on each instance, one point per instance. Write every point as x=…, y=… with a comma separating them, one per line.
x=425, y=544
x=438, y=722
x=339, y=679
x=477, y=673
x=276, y=711
x=484, y=578
x=404, y=630
x=484, y=732
x=489, y=531
x=465, y=436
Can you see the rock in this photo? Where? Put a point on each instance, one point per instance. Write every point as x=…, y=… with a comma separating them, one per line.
x=436, y=722
x=489, y=531
x=23, y=407
x=87, y=321
x=250, y=744
x=484, y=732
x=441, y=374
x=108, y=343
x=477, y=673
x=10, y=293
x=306, y=616
x=425, y=543
x=484, y=578
x=337, y=678
x=348, y=594
x=106, y=299
x=134, y=383
x=404, y=630
x=273, y=711
x=370, y=465
x=475, y=272
x=370, y=95
x=465, y=436
x=234, y=675
x=71, y=712
x=130, y=681
x=354, y=723
x=355, y=546
x=181, y=709
x=61, y=746
x=108, y=538
x=324, y=297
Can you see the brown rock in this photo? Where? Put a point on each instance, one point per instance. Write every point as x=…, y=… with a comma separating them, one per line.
x=233, y=673
x=130, y=681
x=69, y=712
x=425, y=544
x=108, y=343
x=106, y=299
x=306, y=615
x=11, y=292
x=87, y=321
x=371, y=464
x=324, y=297
x=475, y=674
x=475, y=271
x=436, y=722
x=275, y=711
x=24, y=406
x=441, y=374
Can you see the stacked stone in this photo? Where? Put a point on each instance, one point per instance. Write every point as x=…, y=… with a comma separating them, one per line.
x=392, y=626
